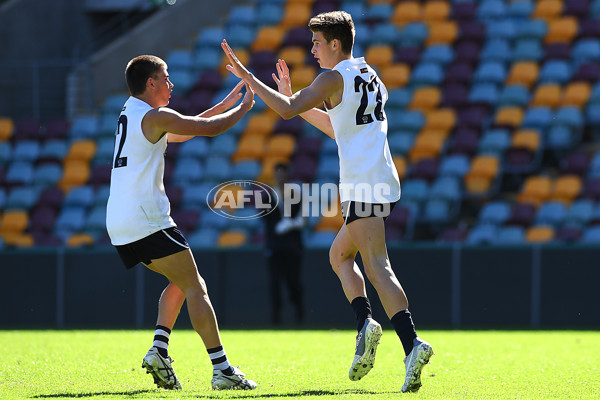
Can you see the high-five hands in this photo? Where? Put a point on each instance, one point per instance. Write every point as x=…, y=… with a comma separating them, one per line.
x=233, y=96
x=249, y=96
x=282, y=79
x=235, y=66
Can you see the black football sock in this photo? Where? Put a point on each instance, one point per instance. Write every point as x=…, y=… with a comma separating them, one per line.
x=362, y=310
x=405, y=329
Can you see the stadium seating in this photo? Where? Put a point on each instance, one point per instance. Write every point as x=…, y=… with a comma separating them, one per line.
x=7, y=126
x=493, y=110
x=484, y=172
x=539, y=234
x=510, y=235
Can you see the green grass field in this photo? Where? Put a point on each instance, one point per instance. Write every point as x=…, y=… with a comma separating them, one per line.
x=302, y=364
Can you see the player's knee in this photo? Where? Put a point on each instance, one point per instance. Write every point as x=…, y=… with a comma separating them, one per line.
x=377, y=260
x=194, y=286
x=377, y=266
x=196, y=291
x=370, y=274
x=339, y=259
x=202, y=284
x=335, y=258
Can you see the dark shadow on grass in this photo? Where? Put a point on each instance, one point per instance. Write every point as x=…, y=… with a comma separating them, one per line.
x=302, y=393
x=128, y=393
x=219, y=394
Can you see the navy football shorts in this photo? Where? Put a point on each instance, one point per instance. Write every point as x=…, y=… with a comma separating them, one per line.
x=158, y=245
x=353, y=210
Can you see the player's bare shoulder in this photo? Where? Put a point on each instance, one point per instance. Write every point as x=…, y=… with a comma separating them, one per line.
x=155, y=122
x=332, y=84
x=330, y=79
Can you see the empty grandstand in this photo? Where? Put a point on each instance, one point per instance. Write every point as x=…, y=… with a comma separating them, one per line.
x=494, y=114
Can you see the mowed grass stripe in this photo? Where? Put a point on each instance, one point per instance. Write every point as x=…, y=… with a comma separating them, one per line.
x=303, y=364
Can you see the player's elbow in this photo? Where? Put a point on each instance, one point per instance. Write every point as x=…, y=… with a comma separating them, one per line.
x=213, y=132
x=287, y=114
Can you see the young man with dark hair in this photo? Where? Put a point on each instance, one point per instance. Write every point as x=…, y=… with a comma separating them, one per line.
x=138, y=212
x=354, y=98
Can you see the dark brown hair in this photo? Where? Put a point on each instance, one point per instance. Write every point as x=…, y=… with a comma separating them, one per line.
x=335, y=25
x=139, y=70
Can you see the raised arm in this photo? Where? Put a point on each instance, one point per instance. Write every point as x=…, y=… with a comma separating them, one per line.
x=325, y=85
x=161, y=120
x=225, y=104
x=219, y=108
x=315, y=116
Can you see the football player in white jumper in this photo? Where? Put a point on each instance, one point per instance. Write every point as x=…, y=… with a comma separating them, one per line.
x=354, y=98
x=138, y=212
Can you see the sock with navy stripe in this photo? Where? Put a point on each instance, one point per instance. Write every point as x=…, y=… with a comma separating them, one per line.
x=161, y=340
x=219, y=360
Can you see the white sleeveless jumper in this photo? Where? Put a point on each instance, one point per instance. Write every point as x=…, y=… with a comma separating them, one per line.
x=367, y=172
x=137, y=206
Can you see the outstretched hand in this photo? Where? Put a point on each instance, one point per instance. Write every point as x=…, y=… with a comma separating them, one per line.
x=249, y=96
x=233, y=96
x=282, y=79
x=235, y=66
